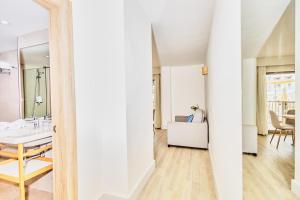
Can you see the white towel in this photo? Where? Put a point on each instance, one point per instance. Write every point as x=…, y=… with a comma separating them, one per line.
x=3, y=126
x=5, y=65
x=20, y=123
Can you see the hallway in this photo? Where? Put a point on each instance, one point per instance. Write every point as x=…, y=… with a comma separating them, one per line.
x=181, y=174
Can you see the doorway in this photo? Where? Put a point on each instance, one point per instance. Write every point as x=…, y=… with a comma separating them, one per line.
x=269, y=41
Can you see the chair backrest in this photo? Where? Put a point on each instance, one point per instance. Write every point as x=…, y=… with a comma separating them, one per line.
x=290, y=121
x=181, y=118
x=274, y=119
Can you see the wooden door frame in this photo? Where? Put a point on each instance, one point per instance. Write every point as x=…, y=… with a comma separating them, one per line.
x=62, y=98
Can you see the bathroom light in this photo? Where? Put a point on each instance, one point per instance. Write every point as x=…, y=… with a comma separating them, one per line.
x=204, y=70
x=4, y=22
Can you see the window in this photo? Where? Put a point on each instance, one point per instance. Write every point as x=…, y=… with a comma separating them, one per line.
x=281, y=87
x=280, y=93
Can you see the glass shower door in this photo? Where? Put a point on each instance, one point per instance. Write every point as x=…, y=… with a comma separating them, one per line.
x=36, y=84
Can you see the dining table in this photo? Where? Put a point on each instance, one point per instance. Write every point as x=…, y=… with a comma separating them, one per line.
x=289, y=116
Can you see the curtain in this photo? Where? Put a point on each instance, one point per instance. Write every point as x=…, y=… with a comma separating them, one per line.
x=261, y=112
x=157, y=113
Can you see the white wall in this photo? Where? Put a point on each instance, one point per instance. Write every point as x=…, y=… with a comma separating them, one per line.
x=224, y=92
x=138, y=59
x=187, y=89
x=100, y=97
x=296, y=180
x=249, y=86
x=112, y=55
x=181, y=88
x=9, y=89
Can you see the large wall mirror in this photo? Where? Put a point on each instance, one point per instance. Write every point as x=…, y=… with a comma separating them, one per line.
x=35, y=81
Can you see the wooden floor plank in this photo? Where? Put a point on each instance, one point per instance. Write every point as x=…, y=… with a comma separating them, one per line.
x=181, y=174
x=186, y=174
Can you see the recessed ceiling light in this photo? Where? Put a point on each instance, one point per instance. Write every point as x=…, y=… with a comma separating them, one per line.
x=4, y=22
x=47, y=56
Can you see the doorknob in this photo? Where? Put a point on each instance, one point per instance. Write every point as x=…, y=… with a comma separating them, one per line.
x=54, y=128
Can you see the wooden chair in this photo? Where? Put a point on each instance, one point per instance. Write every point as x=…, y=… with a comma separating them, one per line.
x=279, y=127
x=291, y=122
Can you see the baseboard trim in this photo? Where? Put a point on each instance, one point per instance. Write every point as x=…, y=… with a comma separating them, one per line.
x=296, y=187
x=133, y=195
x=213, y=171
x=142, y=182
x=111, y=197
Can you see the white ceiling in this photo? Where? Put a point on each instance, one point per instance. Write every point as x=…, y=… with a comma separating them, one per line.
x=282, y=40
x=258, y=21
x=24, y=16
x=181, y=29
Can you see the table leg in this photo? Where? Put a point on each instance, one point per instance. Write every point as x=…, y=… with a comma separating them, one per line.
x=21, y=171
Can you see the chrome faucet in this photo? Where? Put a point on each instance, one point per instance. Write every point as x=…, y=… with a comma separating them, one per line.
x=36, y=122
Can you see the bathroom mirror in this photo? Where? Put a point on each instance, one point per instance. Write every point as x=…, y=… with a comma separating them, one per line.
x=36, y=81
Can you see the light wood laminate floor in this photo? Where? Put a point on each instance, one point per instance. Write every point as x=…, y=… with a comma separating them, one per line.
x=268, y=176
x=185, y=174
x=10, y=191
x=181, y=174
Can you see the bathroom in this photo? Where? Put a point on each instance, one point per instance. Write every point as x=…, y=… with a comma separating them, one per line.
x=25, y=102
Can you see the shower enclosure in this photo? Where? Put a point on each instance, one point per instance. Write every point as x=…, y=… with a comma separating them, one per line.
x=36, y=92
x=36, y=81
